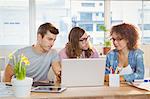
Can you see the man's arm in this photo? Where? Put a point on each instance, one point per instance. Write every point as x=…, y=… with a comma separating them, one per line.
x=8, y=73
x=57, y=69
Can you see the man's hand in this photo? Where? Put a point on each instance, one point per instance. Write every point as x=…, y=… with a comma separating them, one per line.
x=57, y=70
x=58, y=77
x=8, y=73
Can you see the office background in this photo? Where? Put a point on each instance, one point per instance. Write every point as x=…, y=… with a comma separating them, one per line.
x=19, y=20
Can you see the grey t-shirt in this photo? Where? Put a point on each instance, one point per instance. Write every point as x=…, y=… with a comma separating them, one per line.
x=39, y=63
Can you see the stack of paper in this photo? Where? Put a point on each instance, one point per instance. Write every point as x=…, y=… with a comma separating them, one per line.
x=142, y=84
x=5, y=90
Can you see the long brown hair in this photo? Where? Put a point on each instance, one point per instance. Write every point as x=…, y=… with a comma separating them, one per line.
x=73, y=49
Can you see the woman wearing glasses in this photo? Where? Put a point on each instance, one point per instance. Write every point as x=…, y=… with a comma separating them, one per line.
x=78, y=45
x=126, y=59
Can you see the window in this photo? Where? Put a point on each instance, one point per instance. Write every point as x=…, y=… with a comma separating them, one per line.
x=65, y=14
x=87, y=27
x=97, y=14
x=88, y=18
x=14, y=22
x=133, y=12
x=145, y=26
x=85, y=16
x=56, y=12
x=88, y=4
x=69, y=15
x=100, y=4
x=145, y=21
x=98, y=27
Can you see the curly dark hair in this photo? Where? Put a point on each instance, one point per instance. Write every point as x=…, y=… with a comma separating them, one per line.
x=73, y=49
x=128, y=32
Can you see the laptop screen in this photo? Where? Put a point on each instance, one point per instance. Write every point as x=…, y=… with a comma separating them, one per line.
x=83, y=72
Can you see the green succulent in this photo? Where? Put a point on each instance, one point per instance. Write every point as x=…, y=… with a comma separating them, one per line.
x=107, y=43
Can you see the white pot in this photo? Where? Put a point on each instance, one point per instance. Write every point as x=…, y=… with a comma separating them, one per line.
x=22, y=88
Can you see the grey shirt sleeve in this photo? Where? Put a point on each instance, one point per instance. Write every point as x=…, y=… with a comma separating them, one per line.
x=55, y=56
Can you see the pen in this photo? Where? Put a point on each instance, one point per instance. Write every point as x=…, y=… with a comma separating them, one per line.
x=8, y=84
x=118, y=69
x=141, y=80
x=112, y=71
x=146, y=80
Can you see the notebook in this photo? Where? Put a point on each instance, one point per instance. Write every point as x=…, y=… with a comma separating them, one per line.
x=83, y=72
x=141, y=83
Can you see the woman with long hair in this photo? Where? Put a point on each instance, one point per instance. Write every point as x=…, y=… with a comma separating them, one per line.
x=78, y=45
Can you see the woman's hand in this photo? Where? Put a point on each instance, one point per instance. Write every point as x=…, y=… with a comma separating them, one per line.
x=106, y=78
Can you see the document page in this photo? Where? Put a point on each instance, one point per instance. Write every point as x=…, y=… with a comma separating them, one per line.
x=5, y=90
x=142, y=84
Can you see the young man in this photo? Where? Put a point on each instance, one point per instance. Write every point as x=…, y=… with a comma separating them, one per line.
x=40, y=55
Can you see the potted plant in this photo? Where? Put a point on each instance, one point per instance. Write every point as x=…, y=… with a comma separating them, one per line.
x=21, y=84
x=107, y=46
x=107, y=42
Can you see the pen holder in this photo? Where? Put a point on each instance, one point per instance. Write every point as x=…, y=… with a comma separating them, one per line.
x=114, y=80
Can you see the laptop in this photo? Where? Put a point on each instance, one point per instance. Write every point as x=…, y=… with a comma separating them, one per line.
x=83, y=72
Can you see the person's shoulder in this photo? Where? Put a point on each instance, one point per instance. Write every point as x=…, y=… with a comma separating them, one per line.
x=138, y=51
x=23, y=49
x=62, y=53
x=112, y=52
x=62, y=50
x=94, y=49
x=53, y=51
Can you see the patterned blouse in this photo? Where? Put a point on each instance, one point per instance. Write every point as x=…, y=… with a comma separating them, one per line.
x=135, y=60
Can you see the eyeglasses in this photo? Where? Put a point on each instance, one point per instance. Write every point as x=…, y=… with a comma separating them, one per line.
x=84, y=39
x=117, y=39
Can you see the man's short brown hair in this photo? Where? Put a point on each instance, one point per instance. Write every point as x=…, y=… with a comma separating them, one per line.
x=47, y=27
